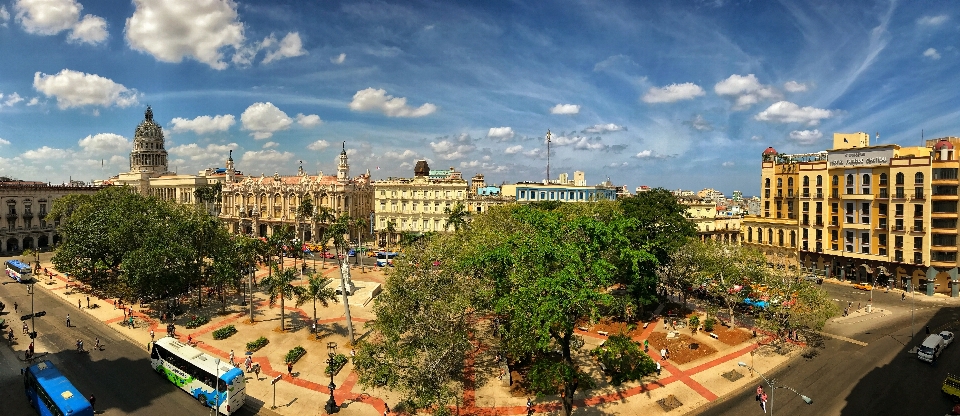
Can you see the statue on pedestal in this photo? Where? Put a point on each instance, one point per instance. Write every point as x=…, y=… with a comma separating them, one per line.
x=345, y=279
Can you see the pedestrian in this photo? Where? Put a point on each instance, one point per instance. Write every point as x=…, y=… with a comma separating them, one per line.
x=658, y=368
x=81, y=346
x=131, y=322
x=386, y=409
x=25, y=328
x=93, y=402
x=231, y=359
x=529, y=407
x=858, y=306
x=646, y=345
x=759, y=392
x=68, y=320
x=96, y=344
x=15, y=307
x=668, y=353
x=928, y=329
x=846, y=311
x=903, y=296
x=247, y=363
x=78, y=304
x=151, y=335
x=353, y=355
x=124, y=312
x=256, y=370
x=763, y=402
x=114, y=304
x=88, y=302
x=31, y=348
x=663, y=353
x=290, y=369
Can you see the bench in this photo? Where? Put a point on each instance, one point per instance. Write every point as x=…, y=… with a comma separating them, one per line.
x=583, y=328
x=604, y=333
x=645, y=325
x=714, y=336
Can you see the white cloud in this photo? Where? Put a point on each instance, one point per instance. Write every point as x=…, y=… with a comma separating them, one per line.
x=932, y=20
x=745, y=91
x=11, y=100
x=204, y=124
x=566, y=109
x=932, y=54
x=645, y=154
x=787, y=112
x=4, y=15
x=406, y=154
x=46, y=153
x=372, y=99
x=4, y=142
x=513, y=149
x=756, y=137
x=266, y=157
x=500, y=133
x=50, y=17
x=171, y=30
x=311, y=120
x=209, y=153
x=77, y=89
x=270, y=145
x=727, y=164
x=264, y=119
x=105, y=143
x=33, y=101
x=603, y=128
x=339, y=58
x=673, y=93
x=318, y=145
x=447, y=150
x=805, y=136
x=794, y=86
x=533, y=152
x=290, y=46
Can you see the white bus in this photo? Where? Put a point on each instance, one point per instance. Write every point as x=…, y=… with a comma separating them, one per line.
x=18, y=270
x=222, y=386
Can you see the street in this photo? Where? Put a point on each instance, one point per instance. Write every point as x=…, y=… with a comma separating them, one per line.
x=120, y=376
x=881, y=378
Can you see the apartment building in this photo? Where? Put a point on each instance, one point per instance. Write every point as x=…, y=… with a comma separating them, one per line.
x=416, y=204
x=883, y=214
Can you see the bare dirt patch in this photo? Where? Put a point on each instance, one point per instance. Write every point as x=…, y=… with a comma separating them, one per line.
x=732, y=336
x=683, y=349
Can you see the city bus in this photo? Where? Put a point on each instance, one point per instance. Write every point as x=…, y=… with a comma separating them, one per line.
x=51, y=393
x=212, y=383
x=18, y=270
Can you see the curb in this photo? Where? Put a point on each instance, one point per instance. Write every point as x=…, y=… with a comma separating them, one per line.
x=721, y=399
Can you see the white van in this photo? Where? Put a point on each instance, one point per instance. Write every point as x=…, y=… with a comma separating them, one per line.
x=931, y=348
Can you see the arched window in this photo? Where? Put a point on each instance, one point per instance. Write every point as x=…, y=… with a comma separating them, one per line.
x=749, y=234
x=779, y=182
x=806, y=181
x=770, y=236
x=767, y=183
x=760, y=235
x=849, y=180
x=900, y=178
x=790, y=183
x=793, y=238
x=836, y=180
x=883, y=179
x=866, y=180
x=819, y=180
x=918, y=178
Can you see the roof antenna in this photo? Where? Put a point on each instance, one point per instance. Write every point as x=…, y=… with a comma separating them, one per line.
x=548, y=156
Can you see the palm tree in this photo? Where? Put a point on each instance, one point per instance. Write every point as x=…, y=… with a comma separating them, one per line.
x=318, y=289
x=359, y=224
x=279, y=285
x=456, y=217
x=391, y=230
x=304, y=211
x=324, y=216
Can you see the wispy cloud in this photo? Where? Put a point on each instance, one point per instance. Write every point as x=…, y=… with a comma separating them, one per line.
x=672, y=93
x=567, y=109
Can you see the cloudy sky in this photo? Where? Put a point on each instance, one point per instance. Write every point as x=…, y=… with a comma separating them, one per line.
x=667, y=93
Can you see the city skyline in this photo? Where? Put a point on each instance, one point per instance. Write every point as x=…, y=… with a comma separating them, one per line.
x=661, y=94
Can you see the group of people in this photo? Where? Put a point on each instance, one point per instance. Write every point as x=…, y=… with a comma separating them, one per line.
x=762, y=398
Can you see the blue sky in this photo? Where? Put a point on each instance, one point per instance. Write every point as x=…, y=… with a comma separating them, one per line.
x=679, y=94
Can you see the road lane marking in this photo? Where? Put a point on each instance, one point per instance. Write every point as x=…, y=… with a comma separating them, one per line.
x=842, y=338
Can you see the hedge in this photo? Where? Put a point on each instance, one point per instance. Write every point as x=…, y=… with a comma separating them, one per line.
x=339, y=361
x=224, y=332
x=294, y=354
x=258, y=344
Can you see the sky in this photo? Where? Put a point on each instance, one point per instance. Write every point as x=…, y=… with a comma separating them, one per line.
x=677, y=94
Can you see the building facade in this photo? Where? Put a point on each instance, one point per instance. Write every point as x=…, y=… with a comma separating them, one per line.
x=711, y=226
x=259, y=206
x=416, y=204
x=25, y=207
x=885, y=214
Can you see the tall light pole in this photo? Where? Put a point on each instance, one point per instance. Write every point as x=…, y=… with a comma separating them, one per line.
x=772, y=385
x=216, y=388
x=331, y=406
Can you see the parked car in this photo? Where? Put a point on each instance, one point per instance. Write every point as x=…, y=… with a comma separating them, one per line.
x=947, y=337
x=931, y=348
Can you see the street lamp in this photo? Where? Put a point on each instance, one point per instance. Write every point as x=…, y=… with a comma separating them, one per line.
x=770, y=383
x=216, y=388
x=331, y=406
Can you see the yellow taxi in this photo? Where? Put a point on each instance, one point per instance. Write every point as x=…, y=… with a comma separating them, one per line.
x=863, y=286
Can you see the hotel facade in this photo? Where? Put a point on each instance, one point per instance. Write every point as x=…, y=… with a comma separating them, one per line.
x=881, y=214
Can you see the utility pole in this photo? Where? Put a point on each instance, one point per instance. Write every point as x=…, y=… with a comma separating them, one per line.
x=548, y=156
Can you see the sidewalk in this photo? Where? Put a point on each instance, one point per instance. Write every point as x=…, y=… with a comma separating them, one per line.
x=684, y=387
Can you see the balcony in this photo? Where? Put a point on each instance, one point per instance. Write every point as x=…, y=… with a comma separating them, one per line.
x=898, y=227
x=819, y=195
x=918, y=195
x=900, y=195
x=27, y=215
x=918, y=229
x=818, y=223
x=883, y=194
x=12, y=215
x=42, y=215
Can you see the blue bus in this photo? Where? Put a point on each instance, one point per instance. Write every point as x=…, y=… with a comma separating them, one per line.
x=51, y=393
x=18, y=270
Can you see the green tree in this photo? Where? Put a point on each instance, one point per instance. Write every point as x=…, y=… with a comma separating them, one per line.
x=456, y=217
x=420, y=337
x=793, y=302
x=304, y=212
x=551, y=270
x=624, y=359
x=728, y=272
x=391, y=231
x=318, y=289
x=279, y=286
x=323, y=216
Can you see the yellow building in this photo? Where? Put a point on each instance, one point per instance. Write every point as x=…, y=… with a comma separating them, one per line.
x=711, y=226
x=884, y=214
x=25, y=207
x=416, y=204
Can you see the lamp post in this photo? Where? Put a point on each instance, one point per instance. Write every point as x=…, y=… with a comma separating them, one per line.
x=216, y=388
x=331, y=406
x=772, y=385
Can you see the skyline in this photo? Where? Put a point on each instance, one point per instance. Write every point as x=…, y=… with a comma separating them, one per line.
x=678, y=95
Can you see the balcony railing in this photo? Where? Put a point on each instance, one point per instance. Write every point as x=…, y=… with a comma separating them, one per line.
x=900, y=195
x=917, y=229
x=918, y=195
x=884, y=194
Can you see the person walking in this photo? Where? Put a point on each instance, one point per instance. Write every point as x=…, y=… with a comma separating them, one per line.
x=928, y=329
x=93, y=403
x=290, y=369
x=763, y=402
x=88, y=302
x=658, y=368
x=247, y=363
x=529, y=407
x=68, y=320
x=151, y=335
x=15, y=307
x=232, y=362
x=256, y=370
x=903, y=296
x=96, y=345
x=25, y=328
x=663, y=353
x=79, y=305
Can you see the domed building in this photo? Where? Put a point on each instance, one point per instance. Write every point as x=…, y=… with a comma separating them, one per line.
x=150, y=175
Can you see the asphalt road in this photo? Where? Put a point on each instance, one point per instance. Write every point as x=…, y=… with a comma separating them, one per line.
x=120, y=376
x=882, y=378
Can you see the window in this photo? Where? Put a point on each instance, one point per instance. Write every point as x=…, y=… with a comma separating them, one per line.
x=849, y=213
x=882, y=209
x=917, y=210
x=882, y=239
x=918, y=178
x=943, y=240
x=819, y=180
x=883, y=179
x=865, y=243
x=766, y=183
x=865, y=213
x=770, y=236
x=918, y=225
x=945, y=173
x=806, y=206
x=899, y=178
x=918, y=258
x=849, y=180
x=834, y=207
x=749, y=234
x=898, y=224
x=790, y=183
x=780, y=235
x=819, y=207
x=806, y=181
x=819, y=234
x=899, y=210
x=760, y=235
x=944, y=206
x=836, y=180
x=898, y=241
x=944, y=223
x=779, y=182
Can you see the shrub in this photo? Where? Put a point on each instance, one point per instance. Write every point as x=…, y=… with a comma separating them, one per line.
x=294, y=354
x=624, y=359
x=708, y=324
x=258, y=344
x=197, y=321
x=694, y=322
x=224, y=332
x=339, y=361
